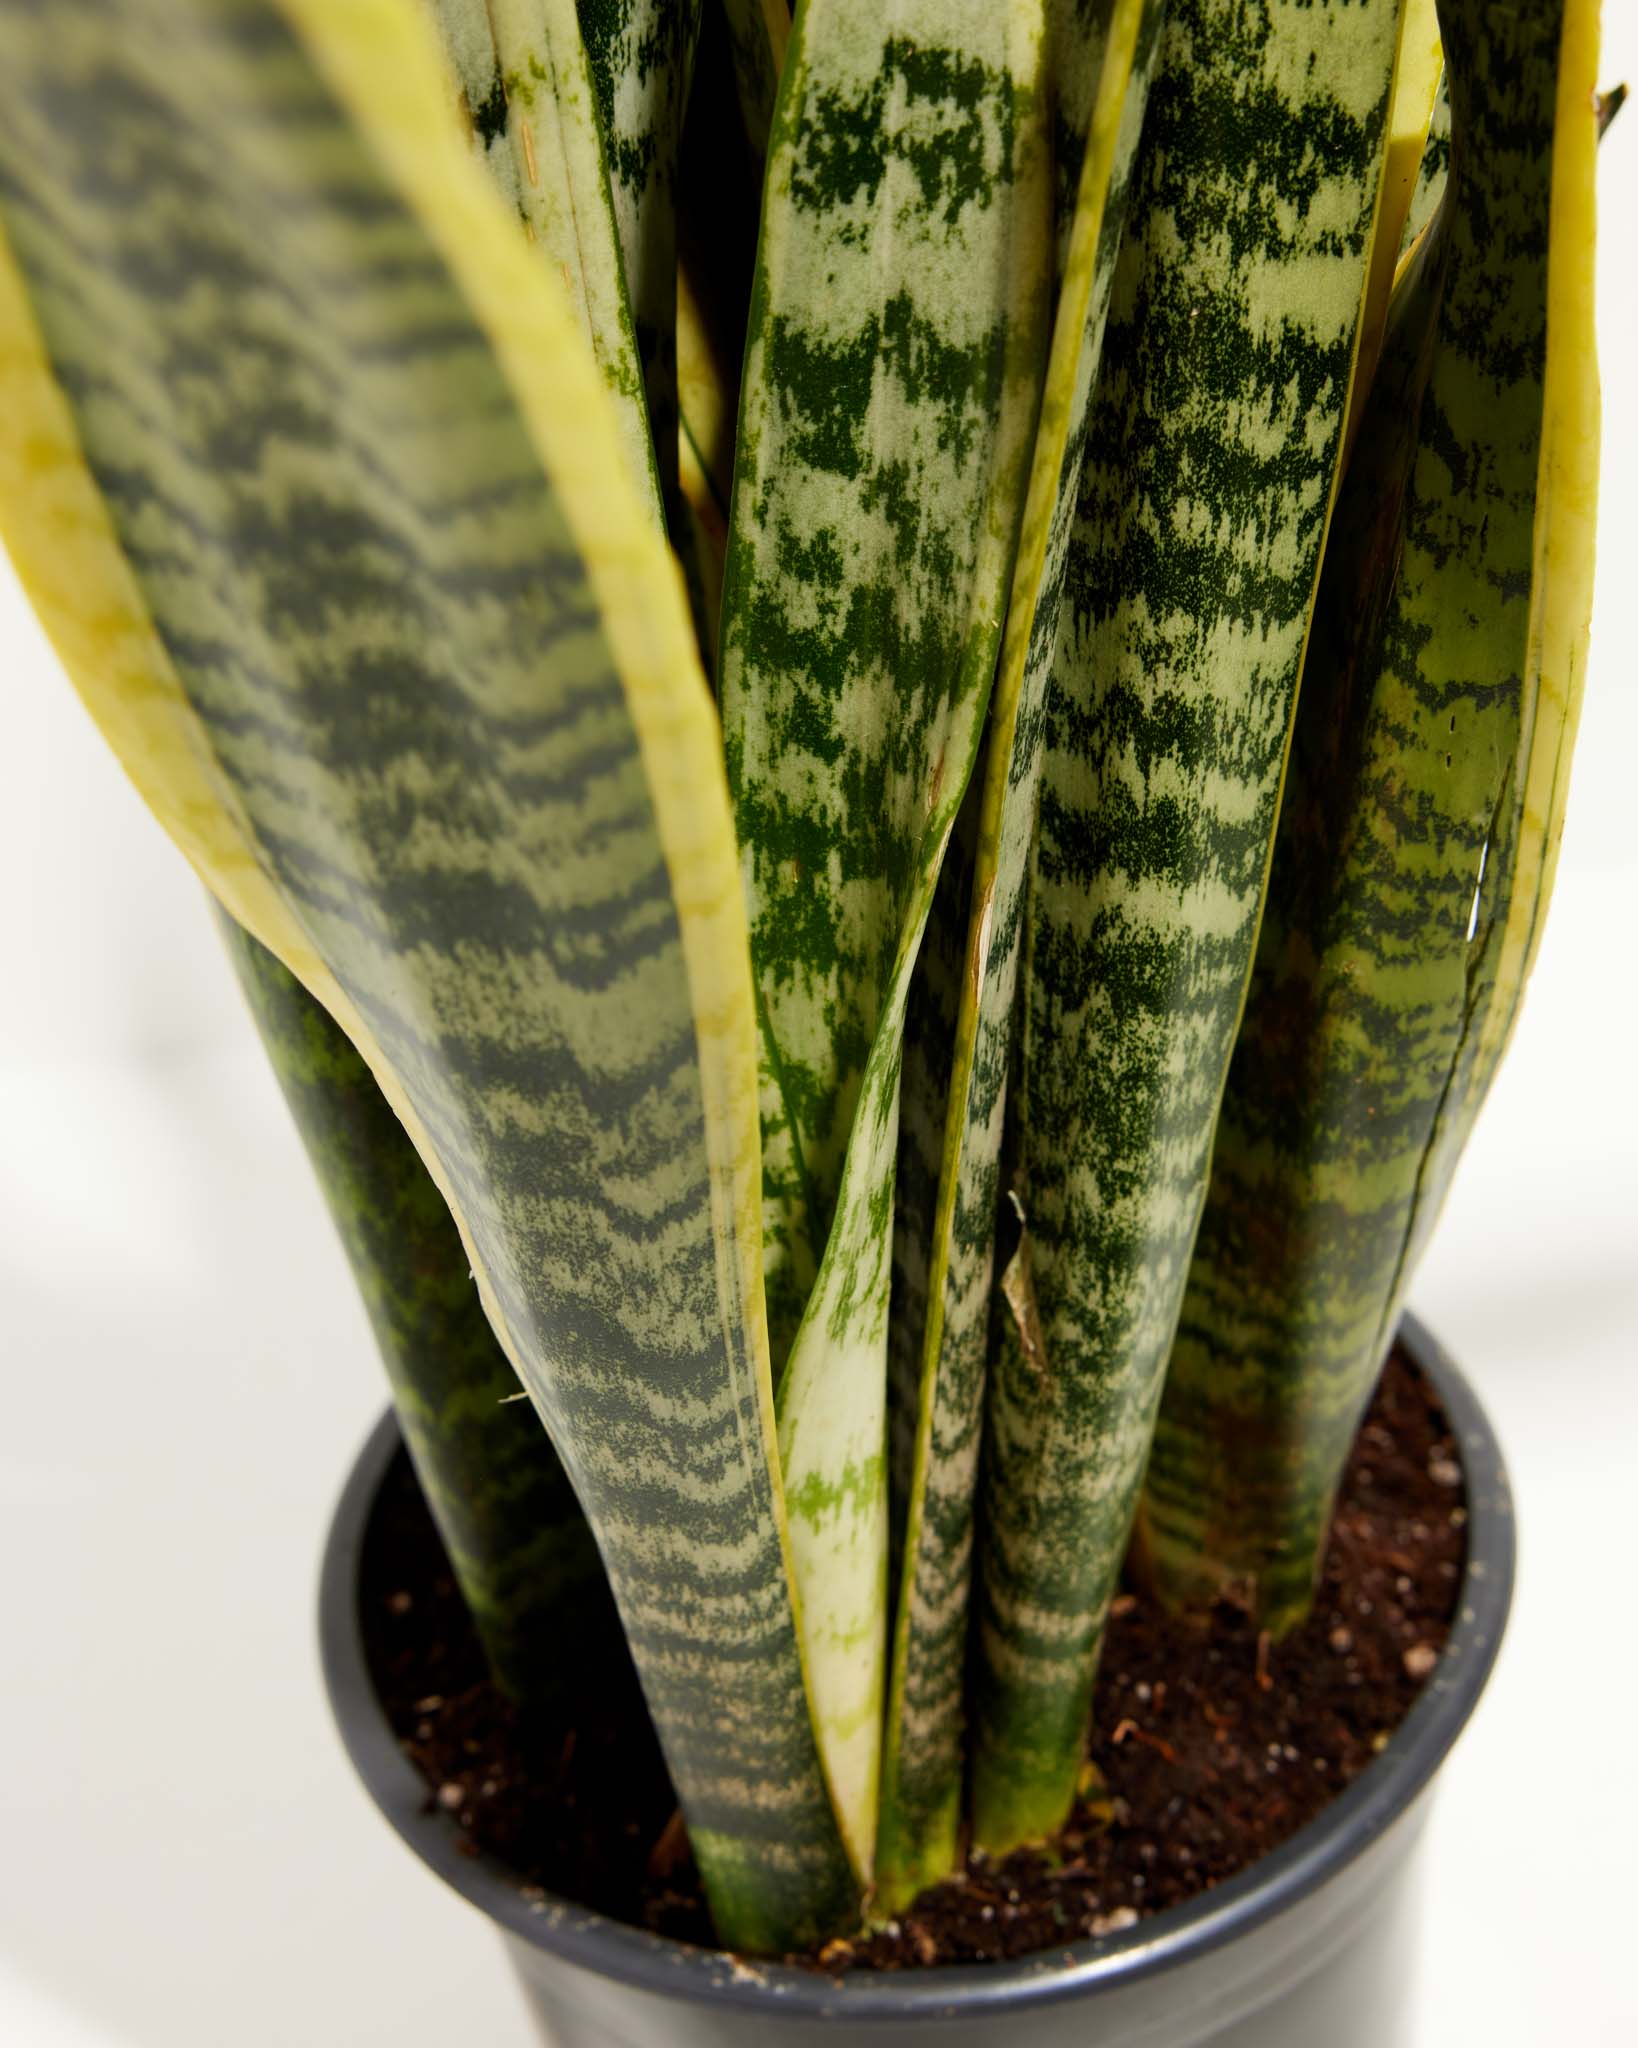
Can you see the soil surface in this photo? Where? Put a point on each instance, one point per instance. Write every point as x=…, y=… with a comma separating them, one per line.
x=1213, y=1745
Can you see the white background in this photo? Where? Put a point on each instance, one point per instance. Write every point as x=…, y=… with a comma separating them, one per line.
x=186, y=1858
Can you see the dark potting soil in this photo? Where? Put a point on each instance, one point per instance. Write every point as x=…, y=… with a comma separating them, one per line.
x=1214, y=1746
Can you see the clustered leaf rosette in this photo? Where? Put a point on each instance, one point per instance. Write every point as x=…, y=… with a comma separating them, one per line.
x=881, y=703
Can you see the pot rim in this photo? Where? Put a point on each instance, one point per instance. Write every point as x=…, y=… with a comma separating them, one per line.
x=1377, y=1798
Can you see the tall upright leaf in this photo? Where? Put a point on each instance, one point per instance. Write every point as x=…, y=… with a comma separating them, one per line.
x=898, y=329
x=641, y=57
x=1110, y=53
x=1076, y=32
x=1204, y=500
x=1529, y=824
x=318, y=491
x=1421, y=827
x=517, y=1541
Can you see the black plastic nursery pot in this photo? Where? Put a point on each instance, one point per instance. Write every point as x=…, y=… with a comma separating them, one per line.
x=1308, y=1948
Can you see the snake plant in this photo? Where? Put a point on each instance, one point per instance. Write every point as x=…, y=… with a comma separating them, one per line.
x=881, y=704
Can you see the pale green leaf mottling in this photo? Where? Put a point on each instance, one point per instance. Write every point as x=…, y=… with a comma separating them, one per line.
x=318, y=492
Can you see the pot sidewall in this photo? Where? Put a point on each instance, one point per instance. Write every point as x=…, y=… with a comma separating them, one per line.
x=1309, y=1943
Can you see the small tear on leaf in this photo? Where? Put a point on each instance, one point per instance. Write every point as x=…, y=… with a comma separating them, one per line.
x=1018, y=1291
x=1606, y=105
x=506, y=1400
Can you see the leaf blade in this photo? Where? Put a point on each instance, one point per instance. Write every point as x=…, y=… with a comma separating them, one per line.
x=1205, y=494
x=460, y=513
x=883, y=439
x=923, y=1755
x=568, y=203
x=516, y=1539
x=1408, y=880
x=640, y=54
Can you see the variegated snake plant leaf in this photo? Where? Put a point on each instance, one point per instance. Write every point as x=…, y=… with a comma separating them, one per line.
x=306, y=467
x=898, y=332
x=1420, y=829
x=1110, y=54
x=517, y=1541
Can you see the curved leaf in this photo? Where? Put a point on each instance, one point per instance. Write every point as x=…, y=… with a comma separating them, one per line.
x=1204, y=499
x=922, y=1764
x=892, y=375
x=313, y=482
x=641, y=57
x=1421, y=825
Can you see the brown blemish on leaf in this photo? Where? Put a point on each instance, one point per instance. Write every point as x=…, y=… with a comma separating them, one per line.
x=936, y=784
x=980, y=956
